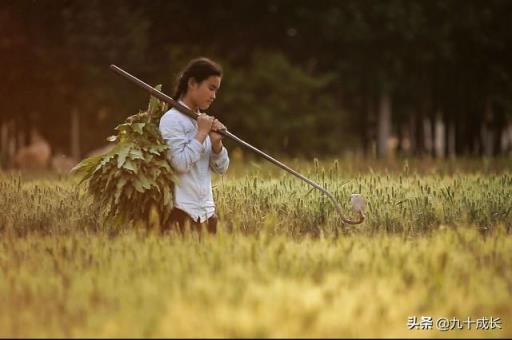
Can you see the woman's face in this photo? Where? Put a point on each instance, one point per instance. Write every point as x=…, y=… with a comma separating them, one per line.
x=203, y=93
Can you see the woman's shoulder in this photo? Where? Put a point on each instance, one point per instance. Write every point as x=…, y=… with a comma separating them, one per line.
x=168, y=119
x=174, y=118
x=171, y=116
x=172, y=113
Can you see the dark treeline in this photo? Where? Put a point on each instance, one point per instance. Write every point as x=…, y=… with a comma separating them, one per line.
x=301, y=77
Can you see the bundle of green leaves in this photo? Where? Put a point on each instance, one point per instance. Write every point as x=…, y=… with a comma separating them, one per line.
x=134, y=180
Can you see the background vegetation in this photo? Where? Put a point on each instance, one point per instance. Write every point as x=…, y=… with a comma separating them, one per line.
x=347, y=75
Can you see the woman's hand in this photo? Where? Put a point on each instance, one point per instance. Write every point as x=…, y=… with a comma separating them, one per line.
x=216, y=138
x=204, y=126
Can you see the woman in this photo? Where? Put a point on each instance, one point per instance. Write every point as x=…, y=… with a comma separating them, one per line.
x=195, y=149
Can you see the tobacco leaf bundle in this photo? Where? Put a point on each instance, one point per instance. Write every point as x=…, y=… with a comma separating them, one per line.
x=134, y=179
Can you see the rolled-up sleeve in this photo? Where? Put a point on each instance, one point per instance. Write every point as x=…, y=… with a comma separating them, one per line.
x=184, y=151
x=219, y=162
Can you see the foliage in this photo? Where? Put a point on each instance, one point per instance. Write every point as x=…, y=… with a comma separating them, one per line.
x=134, y=177
x=433, y=56
x=283, y=102
x=417, y=197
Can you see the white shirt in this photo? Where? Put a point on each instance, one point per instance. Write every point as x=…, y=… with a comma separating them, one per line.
x=192, y=162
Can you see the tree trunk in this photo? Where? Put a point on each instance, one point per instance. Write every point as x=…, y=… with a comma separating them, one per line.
x=506, y=139
x=500, y=123
x=371, y=124
x=433, y=131
x=427, y=133
x=384, y=125
x=486, y=131
x=11, y=143
x=400, y=140
x=3, y=143
x=412, y=133
x=366, y=128
x=450, y=139
x=419, y=136
x=439, y=136
x=75, y=135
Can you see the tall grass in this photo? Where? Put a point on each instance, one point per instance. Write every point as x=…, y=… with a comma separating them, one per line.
x=400, y=200
x=436, y=243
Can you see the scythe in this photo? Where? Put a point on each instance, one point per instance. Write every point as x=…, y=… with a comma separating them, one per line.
x=356, y=199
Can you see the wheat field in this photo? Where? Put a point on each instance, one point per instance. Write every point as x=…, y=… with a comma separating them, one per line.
x=436, y=244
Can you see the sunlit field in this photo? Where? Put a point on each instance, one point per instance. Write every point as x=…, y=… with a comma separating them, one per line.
x=437, y=244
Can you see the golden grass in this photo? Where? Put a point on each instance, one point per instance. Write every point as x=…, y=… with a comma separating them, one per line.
x=276, y=268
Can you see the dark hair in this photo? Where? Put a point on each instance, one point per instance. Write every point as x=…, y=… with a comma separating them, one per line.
x=199, y=69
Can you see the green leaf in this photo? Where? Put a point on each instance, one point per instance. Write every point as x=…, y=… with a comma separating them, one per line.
x=84, y=168
x=104, y=161
x=121, y=156
x=136, y=154
x=144, y=181
x=122, y=127
x=167, y=196
x=113, y=175
x=155, y=172
x=129, y=165
x=154, y=151
x=148, y=158
x=154, y=102
x=119, y=188
x=138, y=186
x=138, y=127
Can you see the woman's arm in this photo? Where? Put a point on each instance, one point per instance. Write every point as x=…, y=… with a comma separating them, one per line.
x=219, y=160
x=184, y=152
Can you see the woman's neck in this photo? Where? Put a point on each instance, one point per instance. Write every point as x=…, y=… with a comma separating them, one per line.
x=191, y=105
